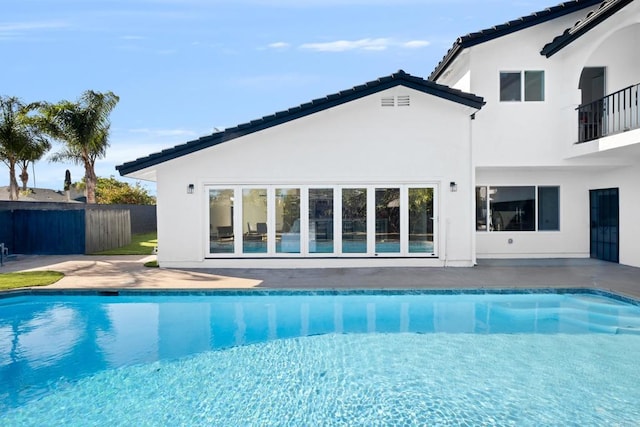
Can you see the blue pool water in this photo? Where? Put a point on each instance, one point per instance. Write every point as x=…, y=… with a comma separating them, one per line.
x=319, y=358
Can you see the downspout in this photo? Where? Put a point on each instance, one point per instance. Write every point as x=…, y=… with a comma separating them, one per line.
x=446, y=240
x=472, y=193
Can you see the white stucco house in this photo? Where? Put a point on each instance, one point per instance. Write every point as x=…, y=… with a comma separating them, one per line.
x=523, y=142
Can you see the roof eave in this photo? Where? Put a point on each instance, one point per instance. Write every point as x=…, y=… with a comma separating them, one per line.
x=397, y=79
x=569, y=37
x=510, y=27
x=451, y=55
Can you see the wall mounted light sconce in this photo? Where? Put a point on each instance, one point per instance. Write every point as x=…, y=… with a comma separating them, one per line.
x=190, y=188
x=453, y=187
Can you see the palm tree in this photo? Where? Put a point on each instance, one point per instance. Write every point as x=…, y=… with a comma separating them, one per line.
x=84, y=128
x=21, y=138
x=34, y=152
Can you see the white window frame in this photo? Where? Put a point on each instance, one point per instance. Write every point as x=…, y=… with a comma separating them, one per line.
x=238, y=229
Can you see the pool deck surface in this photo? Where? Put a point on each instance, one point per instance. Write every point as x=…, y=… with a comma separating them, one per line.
x=129, y=272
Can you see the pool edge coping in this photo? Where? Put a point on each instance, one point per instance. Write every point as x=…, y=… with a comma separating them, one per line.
x=115, y=292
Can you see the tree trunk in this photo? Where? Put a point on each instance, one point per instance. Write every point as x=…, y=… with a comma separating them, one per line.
x=13, y=183
x=90, y=181
x=24, y=177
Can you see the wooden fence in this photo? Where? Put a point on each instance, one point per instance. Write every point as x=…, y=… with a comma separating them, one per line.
x=61, y=232
x=106, y=229
x=48, y=232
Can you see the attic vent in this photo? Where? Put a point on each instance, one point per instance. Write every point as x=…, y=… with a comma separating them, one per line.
x=387, y=101
x=392, y=101
x=403, y=100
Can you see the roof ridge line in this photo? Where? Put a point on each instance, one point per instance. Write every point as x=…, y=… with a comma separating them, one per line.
x=302, y=110
x=593, y=18
x=500, y=30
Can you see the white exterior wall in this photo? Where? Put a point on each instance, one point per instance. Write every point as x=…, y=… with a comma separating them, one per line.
x=533, y=143
x=612, y=44
x=626, y=180
x=572, y=241
x=618, y=52
x=508, y=134
x=513, y=143
x=356, y=143
x=531, y=134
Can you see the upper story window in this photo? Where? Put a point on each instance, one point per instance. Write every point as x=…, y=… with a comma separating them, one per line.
x=512, y=89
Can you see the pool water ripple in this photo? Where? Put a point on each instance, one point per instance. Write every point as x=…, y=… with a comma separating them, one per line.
x=368, y=379
x=319, y=359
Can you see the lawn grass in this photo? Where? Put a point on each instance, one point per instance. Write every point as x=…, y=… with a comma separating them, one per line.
x=29, y=278
x=141, y=244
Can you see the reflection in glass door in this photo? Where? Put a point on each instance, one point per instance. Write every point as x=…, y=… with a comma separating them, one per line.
x=354, y=220
x=320, y=220
x=288, y=220
x=357, y=220
x=421, y=220
x=387, y=220
x=221, y=239
x=254, y=220
x=604, y=224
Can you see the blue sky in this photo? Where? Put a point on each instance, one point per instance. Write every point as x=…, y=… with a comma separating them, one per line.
x=184, y=67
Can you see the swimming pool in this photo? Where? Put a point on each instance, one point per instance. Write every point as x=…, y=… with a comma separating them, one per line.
x=325, y=357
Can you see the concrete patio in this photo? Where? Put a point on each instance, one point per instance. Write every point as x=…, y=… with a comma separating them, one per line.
x=128, y=272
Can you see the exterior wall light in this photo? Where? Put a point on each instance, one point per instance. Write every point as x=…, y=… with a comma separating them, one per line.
x=190, y=188
x=453, y=186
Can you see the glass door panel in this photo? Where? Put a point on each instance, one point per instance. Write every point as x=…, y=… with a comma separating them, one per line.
x=421, y=220
x=254, y=220
x=288, y=220
x=321, y=220
x=354, y=220
x=605, y=219
x=481, y=208
x=221, y=238
x=388, y=220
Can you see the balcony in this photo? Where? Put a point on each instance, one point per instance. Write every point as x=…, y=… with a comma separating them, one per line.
x=615, y=113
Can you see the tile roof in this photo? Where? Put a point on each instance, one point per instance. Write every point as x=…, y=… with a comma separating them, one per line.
x=44, y=195
x=317, y=105
x=606, y=9
x=513, y=26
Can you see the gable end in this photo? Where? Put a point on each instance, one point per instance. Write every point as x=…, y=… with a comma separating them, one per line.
x=315, y=106
x=509, y=27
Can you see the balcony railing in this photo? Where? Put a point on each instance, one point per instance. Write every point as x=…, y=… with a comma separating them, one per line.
x=612, y=114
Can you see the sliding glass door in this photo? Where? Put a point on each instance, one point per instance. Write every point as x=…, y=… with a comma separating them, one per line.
x=421, y=220
x=327, y=221
x=287, y=220
x=388, y=226
x=354, y=220
x=321, y=221
x=254, y=221
x=221, y=235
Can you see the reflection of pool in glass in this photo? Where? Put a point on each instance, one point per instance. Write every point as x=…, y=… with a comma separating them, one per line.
x=318, y=358
x=254, y=247
x=353, y=246
x=221, y=246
